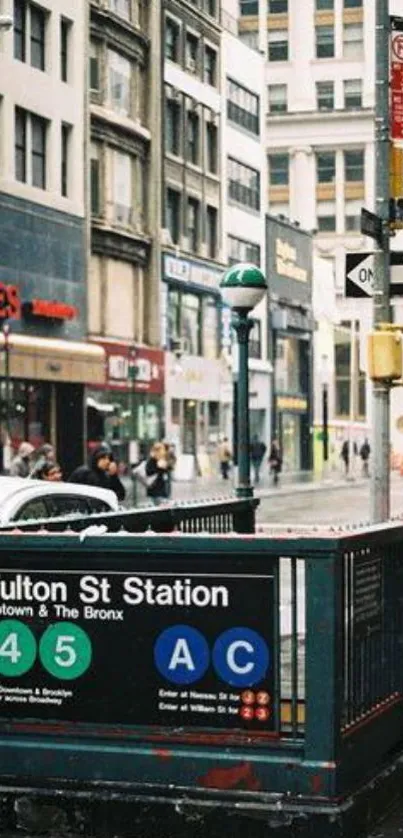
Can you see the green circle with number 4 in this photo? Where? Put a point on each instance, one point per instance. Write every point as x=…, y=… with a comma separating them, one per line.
x=17, y=648
x=65, y=651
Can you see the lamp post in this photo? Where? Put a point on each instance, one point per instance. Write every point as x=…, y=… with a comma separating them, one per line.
x=324, y=373
x=243, y=286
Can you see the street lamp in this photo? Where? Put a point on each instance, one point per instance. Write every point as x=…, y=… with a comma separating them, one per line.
x=243, y=286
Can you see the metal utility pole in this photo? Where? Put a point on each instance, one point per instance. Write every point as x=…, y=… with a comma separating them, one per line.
x=380, y=484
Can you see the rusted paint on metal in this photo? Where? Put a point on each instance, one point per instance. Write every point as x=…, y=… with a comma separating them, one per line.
x=317, y=783
x=238, y=776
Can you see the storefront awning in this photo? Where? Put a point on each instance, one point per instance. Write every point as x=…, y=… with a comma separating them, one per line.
x=48, y=359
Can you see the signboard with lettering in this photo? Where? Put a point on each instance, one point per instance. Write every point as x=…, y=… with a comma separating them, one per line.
x=141, y=368
x=149, y=645
x=367, y=594
x=200, y=274
x=289, y=261
x=10, y=302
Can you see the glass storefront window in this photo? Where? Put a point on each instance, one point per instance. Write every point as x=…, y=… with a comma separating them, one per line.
x=291, y=441
x=210, y=328
x=173, y=316
x=190, y=323
x=288, y=365
x=28, y=411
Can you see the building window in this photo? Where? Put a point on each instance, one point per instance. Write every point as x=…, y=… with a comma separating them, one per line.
x=172, y=40
x=173, y=209
x=277, y=7
x=353, y=41
x=173, y=130
x=190, y=323
x=94, y=66
x=191, y=52
x=193, y=136
x=249, y=7
x=344, y=343
x=211, y=231
x=210, y=7
x=20, y=145
x=353, y=216
x=119, y=83
x=65, y=159
x=95, y=179
x=121, y=8
x=354, y=166
x=210, y=333
x=326, y=166
x=324, y=41
x=255, y=340
x=122, y=188
x=278, y=45
x=352, y=94
x=279, y=169
x=250, y=39
x=210, y=66
x=65, y=29
x=211, y=148
x=324, y=5
x=38, y=151
x=352, y=4
x=20, y=33
x=277, y=98
x=326, y=223
x=325, y=95
x=243, y=107
x=240, y=250
x=193, y=224
x=243, y=184
x=38, y=25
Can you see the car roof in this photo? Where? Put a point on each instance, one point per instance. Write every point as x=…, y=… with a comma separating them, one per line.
x=13, y=487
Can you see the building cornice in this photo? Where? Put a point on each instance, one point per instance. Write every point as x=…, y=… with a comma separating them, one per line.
x=131, y=139
x=119, y=33
x=120, y=244
x=321, y=116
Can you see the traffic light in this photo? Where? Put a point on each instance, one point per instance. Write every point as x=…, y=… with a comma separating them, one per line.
x=385, y=354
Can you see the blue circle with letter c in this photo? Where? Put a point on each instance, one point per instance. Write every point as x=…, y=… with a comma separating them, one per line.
x=241, y=657
x=181, y=654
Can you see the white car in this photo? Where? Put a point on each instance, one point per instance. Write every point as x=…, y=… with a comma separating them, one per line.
x=23, y=499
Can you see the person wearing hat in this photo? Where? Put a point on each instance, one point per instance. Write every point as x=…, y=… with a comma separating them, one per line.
x=101, y=471
x=21, y=464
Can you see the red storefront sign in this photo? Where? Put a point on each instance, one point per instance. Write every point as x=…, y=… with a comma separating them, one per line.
x=138, y=368
x=396, y=85
x=10, y=302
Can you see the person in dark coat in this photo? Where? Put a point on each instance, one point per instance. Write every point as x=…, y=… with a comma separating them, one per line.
x=275, y=460
x=257, y=452
x=102, y=471
x=157, y=468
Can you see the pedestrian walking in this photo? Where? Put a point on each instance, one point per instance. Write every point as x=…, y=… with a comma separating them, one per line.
x=345, y=456
x=224, y=457
x=101, y=471
x=21, y=463
x=275, y=461
x=156, y=471
x=257, y=452
x=170, y=456
x=42, y=455
x=365, y=452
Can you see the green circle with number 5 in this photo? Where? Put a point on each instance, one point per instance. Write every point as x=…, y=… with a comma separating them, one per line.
x=65, y=651
x=17, y=648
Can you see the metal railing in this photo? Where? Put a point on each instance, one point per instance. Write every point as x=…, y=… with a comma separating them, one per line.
x=222, y=515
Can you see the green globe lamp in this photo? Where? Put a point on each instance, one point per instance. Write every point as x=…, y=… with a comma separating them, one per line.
x=242, y=287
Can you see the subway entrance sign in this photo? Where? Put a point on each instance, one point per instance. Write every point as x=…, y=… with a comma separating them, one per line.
x=359, y=274
x=142, y=645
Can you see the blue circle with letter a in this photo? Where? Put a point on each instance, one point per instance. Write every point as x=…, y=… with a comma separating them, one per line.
x=241, y=657
x=181, y=654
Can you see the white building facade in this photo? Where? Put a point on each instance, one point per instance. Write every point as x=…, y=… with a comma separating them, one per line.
x=245, y=200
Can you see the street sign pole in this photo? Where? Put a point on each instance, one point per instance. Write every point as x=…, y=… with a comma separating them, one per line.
x=380, y=483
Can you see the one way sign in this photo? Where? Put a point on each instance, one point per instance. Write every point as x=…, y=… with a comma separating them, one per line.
x=360, y=274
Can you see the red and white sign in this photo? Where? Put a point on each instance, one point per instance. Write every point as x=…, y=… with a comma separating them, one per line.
x=396, y=83
x=147, y=361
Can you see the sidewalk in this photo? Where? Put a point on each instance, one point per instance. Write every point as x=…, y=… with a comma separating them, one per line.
x=203, y=488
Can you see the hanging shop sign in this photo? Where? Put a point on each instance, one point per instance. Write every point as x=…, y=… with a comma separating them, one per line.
x=137, y=368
